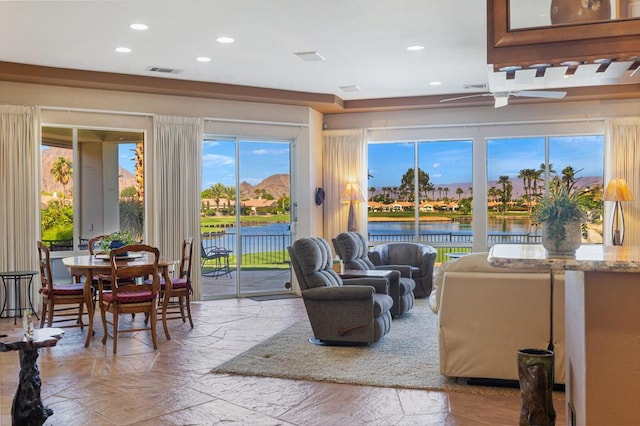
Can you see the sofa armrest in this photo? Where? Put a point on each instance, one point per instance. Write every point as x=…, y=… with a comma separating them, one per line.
x=339, y=293
x=405, y=270
x=381, y=285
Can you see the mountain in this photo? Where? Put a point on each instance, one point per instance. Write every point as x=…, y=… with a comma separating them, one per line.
x=274, y=185
x=48, y=183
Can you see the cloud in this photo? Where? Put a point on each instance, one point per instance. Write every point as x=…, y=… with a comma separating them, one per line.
x=209, y=160
x=435, y=165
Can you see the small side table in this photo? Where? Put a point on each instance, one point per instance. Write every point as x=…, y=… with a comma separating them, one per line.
x=17, y=277
x=28, y=408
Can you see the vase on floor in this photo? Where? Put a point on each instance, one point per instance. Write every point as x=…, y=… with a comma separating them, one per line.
x=536, y=374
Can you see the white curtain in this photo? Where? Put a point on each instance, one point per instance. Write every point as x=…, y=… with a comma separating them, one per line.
x=622, y=156
x=344, y=161
x=175, y=162
x=19, y=192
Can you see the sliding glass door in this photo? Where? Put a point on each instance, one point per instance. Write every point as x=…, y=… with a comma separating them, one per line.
x=245, y=218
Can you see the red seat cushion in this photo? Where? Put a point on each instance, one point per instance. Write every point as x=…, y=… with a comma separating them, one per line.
x=64, y=290
x=130, y=296
x=175, y=283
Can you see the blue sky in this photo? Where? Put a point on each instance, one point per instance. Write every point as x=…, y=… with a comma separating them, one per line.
x=451, y=161
x=445, y=162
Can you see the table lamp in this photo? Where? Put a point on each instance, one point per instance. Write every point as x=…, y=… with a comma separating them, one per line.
x=617, y=191
x=352, y=194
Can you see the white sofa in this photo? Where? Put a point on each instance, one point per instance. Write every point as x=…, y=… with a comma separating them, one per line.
x=485, y=314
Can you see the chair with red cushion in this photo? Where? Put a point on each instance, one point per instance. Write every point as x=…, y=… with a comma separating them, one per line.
x=121, y=292
x=180, y=288
x=56, y=298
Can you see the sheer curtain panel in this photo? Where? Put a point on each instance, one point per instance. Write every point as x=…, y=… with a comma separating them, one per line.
x=19, y=190
x=622, y=156
x=175, y=162
x=343, y=162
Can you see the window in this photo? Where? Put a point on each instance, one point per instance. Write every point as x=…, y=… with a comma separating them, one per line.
x=433, y=205
x=519, y=170
x=92, y=184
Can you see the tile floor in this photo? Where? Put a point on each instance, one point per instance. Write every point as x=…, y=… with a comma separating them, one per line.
x=172, y=386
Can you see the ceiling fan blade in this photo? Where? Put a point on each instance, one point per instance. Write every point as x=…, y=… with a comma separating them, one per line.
x=540, y=94
x=465, y=97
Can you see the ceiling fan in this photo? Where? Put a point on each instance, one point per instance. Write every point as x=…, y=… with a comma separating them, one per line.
x=502, y=98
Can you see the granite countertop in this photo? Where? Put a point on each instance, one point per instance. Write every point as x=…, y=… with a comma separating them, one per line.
x=589, y=257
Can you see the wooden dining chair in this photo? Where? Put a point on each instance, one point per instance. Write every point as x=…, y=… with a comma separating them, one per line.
x=121, y=292
x=58, y=298
x=181, y=290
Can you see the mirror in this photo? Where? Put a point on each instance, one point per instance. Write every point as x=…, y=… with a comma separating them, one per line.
x=542, y=13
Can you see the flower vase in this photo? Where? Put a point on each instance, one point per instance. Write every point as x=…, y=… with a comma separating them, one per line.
x=118, y=244
x=562, y=239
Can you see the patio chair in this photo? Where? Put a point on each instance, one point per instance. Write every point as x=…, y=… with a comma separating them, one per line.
x=220, y=256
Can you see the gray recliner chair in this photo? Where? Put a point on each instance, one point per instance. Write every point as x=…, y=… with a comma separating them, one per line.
x=352, y=311
x=352, y=249
x=421, y=258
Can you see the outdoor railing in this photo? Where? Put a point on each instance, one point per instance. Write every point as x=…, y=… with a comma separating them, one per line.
x=257, y=249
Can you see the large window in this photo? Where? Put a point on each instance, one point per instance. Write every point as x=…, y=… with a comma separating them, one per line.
x=92, y=184
x=432, y=205
x=520, y=169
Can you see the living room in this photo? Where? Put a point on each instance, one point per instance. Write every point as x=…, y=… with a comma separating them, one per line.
x=73, y=98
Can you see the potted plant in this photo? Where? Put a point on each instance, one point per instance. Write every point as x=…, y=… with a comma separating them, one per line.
x=561, y=213
x=116, y=239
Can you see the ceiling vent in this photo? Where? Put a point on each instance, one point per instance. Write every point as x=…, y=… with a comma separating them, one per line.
x=164, y=70
x=480, y=86
x=350, y=88
x=310, y=56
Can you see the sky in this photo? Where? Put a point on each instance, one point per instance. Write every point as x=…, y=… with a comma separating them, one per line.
x=445, y=162
x=451, y=161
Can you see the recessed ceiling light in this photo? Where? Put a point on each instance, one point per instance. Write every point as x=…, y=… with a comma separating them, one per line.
x=310, y=56
x=225, y=40
x=123, y=49
x=435, y=83
x=203, y=59
x=415, y=48
x=138, y=27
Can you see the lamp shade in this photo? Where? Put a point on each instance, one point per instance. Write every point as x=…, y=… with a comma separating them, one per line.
x=352, y=193
x=617, y=190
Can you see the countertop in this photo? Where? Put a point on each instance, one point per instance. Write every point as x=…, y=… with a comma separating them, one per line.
x=589, y=257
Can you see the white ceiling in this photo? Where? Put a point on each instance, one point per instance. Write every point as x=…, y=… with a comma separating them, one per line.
x=364, y=42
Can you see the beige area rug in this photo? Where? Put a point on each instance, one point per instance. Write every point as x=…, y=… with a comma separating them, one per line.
x=407, y=357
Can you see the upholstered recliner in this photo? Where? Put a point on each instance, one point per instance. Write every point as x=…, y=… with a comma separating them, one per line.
x=353, y=311
x=420, y=257
x=352, y=249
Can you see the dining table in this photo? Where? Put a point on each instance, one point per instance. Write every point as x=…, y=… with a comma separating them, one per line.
x=88, y=266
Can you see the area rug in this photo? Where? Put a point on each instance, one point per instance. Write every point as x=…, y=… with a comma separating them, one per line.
x=407, y=357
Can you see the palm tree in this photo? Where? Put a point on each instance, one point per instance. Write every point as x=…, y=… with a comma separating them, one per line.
x=62, y=172
x=505, y=192
x=459, y=191
x=569, y=177
x=217, y=192
x=528, y=177
x=372, y=190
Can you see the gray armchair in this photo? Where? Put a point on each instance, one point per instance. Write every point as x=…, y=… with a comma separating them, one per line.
x=353, y=311
x=421, y=258
x=352, y=249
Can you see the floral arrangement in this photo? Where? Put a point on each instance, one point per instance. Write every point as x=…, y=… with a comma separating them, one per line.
x=590, y=4
x=117, y=239
x=558, y=207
